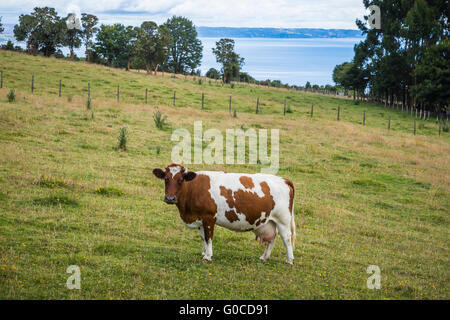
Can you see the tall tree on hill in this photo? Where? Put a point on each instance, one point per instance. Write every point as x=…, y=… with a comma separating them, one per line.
x=72, y=36
x=116, y=44
x=152, y=44
x=230, y=60
x=185, y=49
x=1, y=26
x=88, y=22
x=43, y=30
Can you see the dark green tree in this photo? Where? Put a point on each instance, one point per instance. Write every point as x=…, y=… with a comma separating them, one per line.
x=230, y=60
x=185, y=49
x=88, y=22
x=43, y=30
x=213, y=73
x=1, y=26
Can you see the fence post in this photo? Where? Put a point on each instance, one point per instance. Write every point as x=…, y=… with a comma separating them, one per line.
x=389, y=123
x=312, y=110
x=364, y=117
x=146, y=95
x=89, y=91
x=32, y=83
x=414, y=126
x=439, y=127
x=229, y=106
x=174, y=96
x=257, y=105
x=1, y=80
x=203, y=100
x=338, y=112
x=59, y=93
x=284, y=109
x=118, y=93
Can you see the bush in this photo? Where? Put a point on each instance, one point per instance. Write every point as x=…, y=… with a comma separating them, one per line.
x=123, y=139
x=69, y=98
x=288, y=110
x=109, y=191
x=160, y=120
x=234, y=113
x=232, y=86
x=199, y=81
x=11, y=96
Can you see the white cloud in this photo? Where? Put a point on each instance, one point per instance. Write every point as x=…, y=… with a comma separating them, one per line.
x=233, y=13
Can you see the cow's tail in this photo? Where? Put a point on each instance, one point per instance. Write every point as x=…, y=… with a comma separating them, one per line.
x=293, y=235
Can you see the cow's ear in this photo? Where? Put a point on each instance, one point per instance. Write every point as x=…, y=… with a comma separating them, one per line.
x=159, y=173
x=190, y=175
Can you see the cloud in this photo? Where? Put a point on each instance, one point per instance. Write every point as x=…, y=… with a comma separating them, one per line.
x=233, y=13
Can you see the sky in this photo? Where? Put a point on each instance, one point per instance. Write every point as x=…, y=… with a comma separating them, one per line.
x=327, y=14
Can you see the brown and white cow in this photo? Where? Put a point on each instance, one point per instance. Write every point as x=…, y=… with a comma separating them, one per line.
x=261, y=203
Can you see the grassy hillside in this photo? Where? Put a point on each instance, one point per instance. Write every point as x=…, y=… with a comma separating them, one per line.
x=364, y=196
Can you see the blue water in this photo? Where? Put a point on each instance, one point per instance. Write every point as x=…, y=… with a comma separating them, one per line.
x=293, y=61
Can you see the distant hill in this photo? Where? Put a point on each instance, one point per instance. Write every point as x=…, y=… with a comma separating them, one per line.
x=220, y=32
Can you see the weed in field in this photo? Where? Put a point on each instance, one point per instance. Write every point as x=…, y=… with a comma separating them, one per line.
x=69, y=97
x=123, y=137
x=51, y=182
x=159, y=119
x=11, y=96
x=109, y=191
x=56, y=200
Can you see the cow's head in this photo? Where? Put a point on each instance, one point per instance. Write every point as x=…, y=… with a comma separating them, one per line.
x=174, y=176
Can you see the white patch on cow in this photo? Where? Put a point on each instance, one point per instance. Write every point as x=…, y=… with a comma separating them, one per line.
x=194, y=225
x=278, y=189
x=174, y=170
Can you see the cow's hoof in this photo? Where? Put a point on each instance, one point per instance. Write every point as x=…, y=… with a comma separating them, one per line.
x=263, y=258
x=290, y=261
x=207, y=259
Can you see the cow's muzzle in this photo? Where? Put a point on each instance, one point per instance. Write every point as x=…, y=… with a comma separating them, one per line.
x=170, y=199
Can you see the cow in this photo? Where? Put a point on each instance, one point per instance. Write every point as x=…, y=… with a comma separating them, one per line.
x=262, y=203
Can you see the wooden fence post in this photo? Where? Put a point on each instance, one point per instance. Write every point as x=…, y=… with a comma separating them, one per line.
x=364, y=117
x=146, y=95
x=32, y=83
x=174, y=95
x=89, y=91
x=389, y=123
x=1, y=80
x=118, y=93
x=59, y=93
x=312, y=110
x=257, y=105
x=229, y=106
x=338, y=112
x=414, y=126
x=439, y=127
x=203, y=100
x=284, y=109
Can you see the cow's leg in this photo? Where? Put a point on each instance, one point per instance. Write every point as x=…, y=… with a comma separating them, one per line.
x=268, y=250
x=285, y=234
x=208, y=227
x=202, y=234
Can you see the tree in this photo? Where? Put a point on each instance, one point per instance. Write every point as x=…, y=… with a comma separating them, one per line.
x=116, y=44
x=185, y=50
x=72, y=36
x=213, y=73
x=152, y=44
x=89, y=22
x=307, y=85
x=1, y=26
x=230, y=60
x=43, y=30
x=433, y=77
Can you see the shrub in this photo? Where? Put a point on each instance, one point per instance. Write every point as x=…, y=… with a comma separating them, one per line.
x=51, y=182
x=232, y=86
x=123, y=139
x=69, y=98
x=11, y=96
x=158, y=149
x=288, y=109
x=160, y=120
x=199, y=81
x=234, y=113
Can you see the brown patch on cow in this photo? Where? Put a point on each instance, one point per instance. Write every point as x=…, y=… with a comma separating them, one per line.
x=195, y=202
x=231, y=216
x=247, y=182
x=291, y=193
x=249, y=203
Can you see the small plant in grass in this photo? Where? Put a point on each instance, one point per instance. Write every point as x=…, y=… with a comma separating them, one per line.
x=56, y=200
x=51, y=182
x=160, y=120
x=69, y=98
x=199, y=81
x=123, y=137
x=158, y=149
x=109, y=191
x=234, y=113
x=356, y=102
x=88, y=104
x=288, y=109
x=11, y=96
x=232, y=86
x=445, y=126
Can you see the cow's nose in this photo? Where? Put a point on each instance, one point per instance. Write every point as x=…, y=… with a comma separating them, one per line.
x=170, y=199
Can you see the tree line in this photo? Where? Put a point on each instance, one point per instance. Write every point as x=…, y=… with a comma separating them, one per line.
x=405, y=62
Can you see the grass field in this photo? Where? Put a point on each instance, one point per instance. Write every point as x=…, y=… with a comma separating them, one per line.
x=364, y=195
